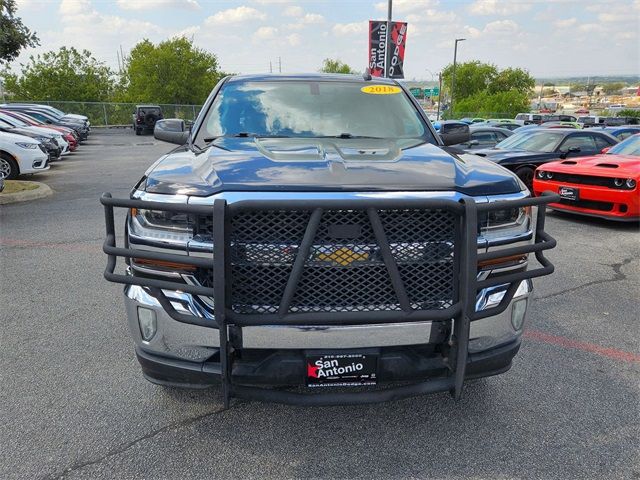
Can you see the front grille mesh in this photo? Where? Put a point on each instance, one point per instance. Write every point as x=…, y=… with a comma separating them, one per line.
x=344, y=270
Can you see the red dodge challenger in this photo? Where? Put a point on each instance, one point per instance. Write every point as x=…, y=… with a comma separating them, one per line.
x=601, y=185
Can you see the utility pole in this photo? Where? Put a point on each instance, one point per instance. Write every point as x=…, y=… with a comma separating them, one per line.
x=279, y=65
x=453, y=74
x=387, y=40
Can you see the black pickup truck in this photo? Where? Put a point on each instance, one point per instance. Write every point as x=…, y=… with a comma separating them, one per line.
x=313, y=234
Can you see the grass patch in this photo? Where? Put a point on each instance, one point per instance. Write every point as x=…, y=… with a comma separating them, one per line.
x=13, y=186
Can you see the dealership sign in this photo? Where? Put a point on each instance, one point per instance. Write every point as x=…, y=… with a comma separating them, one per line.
x=385, y=62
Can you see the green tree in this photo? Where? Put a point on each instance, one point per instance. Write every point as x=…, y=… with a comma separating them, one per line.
x=512, y=79
x=629, y=113
x=335, y=66
x=67, y=74
x=612, y=88
x=14, y=36
x=174, y=71
x=471, y=78
x=508, y=103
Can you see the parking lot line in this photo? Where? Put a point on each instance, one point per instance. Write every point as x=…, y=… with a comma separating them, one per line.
x=584, y=346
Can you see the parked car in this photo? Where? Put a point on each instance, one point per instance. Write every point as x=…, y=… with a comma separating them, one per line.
x=623, y=132
x=558, y=118
x=70, y=135
x=1, y=182
x=482, y=136
x=20, y=155
x=48, y=141
x=80, y=126
x=145, y=118
x=561, y=125
x=334, y=208
x=600, y=185
x=528, y=118
x=509, y=126
x=53, y=141
x=523, y=152
x=59, y=114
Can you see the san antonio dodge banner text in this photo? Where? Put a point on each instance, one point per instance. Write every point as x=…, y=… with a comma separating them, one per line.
x=395, y=55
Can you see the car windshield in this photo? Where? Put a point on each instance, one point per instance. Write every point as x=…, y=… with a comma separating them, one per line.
x=538, y=141
x=313, y=109
x=630, y=146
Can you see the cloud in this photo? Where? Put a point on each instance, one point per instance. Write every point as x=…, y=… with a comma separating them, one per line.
x=405, y=6
x=311, y=18
x=343, y=29
x=566, y=23
x=293, y=11
x=235, y=15
x=501, y=27
x=498, y=7
x=265, y=33
x=294, y=39
x=156, y=4
x=432, y=16
x=591, y=28
x=187, y=32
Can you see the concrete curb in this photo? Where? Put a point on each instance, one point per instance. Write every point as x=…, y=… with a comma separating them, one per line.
x=26, y=195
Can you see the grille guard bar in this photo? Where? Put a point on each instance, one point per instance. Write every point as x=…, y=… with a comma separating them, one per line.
x=462, y=311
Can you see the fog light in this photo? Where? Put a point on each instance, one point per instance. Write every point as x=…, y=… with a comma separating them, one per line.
x=147, y=322
x=631, y=183
x=518, y=310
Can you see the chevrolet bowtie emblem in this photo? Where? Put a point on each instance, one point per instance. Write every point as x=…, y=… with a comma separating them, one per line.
x=343, y=256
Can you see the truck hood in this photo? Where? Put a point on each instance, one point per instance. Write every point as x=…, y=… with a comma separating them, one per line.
x=247, y=164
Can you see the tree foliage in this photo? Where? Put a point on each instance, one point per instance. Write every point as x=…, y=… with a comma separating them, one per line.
x=508, y=103
x=335, y=66
x=629, y=113
x=14, y=36
x=483, y=89
x=612, y=88
x=67, y=74
x=174, y=71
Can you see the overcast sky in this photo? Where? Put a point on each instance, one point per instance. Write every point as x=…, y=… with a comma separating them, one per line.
x=548, y=37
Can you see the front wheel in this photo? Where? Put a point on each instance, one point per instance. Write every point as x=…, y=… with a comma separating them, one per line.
x=8, y=167
x=526, y=175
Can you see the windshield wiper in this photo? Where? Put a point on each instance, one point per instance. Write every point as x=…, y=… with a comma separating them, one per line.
x=243, y=135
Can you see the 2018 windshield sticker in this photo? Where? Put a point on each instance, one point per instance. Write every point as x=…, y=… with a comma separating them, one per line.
x=381, y=89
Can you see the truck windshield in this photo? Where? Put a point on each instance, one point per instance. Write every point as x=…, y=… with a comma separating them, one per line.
x=313, y=109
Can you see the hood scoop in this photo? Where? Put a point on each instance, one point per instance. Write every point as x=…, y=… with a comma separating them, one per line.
x=316, y=149
x=607, y=165
x=569, y=162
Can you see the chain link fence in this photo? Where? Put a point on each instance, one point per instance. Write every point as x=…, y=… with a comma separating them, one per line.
x=114, y=114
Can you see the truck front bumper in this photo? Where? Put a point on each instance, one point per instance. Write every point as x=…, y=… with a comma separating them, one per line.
x=181, y=354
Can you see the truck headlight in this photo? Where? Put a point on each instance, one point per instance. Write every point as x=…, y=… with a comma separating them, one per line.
x=174, y=221
x=505, y=223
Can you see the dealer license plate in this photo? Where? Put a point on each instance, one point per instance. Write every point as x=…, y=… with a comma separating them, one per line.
x=341, y=370
x=568, y=193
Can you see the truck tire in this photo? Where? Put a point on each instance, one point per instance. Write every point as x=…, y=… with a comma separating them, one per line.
x=526, y=175
x=138, y=131
x=8, y=167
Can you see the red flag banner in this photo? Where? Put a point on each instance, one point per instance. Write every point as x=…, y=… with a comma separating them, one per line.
x=377, y=43
x=395, y=55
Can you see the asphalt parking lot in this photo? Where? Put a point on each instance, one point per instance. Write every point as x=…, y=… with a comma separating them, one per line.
x=74, y=404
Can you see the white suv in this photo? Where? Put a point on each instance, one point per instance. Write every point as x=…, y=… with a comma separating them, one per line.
x=20, y=155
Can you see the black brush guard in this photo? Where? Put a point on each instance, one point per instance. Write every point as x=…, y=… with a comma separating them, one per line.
x=462, y=311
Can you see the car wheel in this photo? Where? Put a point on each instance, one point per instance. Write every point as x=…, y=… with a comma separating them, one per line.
x=526, y=175
x=8, y=167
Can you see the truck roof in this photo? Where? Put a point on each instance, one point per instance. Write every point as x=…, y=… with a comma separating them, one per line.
x=319, y=77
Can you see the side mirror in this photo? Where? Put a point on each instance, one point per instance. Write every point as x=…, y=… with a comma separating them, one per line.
x=172, y=130
x=573, y=149
x=605, y=150
x=453, y=133
x=473, y=143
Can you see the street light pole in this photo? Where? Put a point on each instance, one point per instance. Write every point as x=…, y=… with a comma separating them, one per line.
x=388, y=40
x=439, y=95
x=453, y=73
